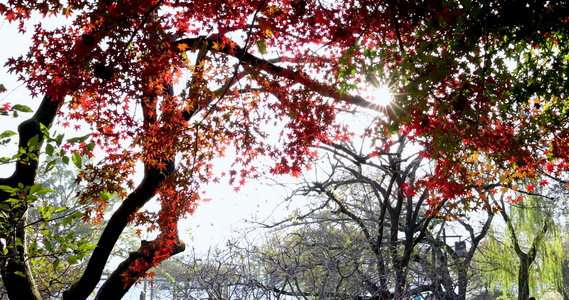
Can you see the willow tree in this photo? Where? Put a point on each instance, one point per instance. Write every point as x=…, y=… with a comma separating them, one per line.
x=526, y=256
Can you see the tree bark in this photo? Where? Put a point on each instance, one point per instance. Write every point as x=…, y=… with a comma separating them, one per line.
x=262, y=64
x=523, y=277
x=563, y=285
x=16, y=273
x=115, y=287
x=119, y=220
x=153, y=177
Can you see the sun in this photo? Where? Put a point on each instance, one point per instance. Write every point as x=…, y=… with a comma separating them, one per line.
x=381, y=94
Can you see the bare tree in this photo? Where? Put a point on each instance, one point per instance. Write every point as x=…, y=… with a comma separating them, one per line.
x=358, y=239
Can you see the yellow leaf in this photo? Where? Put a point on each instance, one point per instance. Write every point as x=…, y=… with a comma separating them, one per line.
x=475, y=156
x=265, y=27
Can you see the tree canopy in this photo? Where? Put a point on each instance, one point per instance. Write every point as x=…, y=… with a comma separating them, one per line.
x=166, y=86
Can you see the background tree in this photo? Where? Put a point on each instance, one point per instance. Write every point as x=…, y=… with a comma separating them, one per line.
x=563, y=287
x=319, y=258
x=226, y=272
x=358, y=239
x=529, y=250
x=444, y=261
x=59, y=240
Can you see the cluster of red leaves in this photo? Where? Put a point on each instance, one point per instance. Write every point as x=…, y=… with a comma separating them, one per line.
x=113, y=61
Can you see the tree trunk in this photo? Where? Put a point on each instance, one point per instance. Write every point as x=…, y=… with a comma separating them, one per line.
x=563, y=285
x=526, y=259
x=16, y=273
x=153, y=177
x=115, y=287
x=119, y=220
x=462, y=281
x=523, y=277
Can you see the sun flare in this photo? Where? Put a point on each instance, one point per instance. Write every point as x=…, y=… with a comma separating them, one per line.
x=381, y=95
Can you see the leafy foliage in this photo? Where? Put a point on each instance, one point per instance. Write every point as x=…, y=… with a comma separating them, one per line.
x=247, y=66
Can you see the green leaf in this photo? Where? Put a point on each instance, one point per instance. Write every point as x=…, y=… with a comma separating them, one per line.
x=33, y=142
x=76, y=159
x=33, y=246
x=262, y=46
x=60, y=209
x=89, y=147
x=49, y=150
x=46, y=214
x=44, y=130
x=7, y=133
x=65, y=159
x=6, y=188
x=50, y=166
x=47, y=244
x=22, y=108
x=59, y=139
x=12, y=200
x=77, y=215
x=45, y=191
x=79, y=139
x=35, y=188
x=90, y=247
x=19, y=273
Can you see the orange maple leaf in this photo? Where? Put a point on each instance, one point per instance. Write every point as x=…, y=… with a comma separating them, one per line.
x=161, y=166
x=183, y=47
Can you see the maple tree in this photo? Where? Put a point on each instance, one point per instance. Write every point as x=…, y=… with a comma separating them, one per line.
x=241, y=66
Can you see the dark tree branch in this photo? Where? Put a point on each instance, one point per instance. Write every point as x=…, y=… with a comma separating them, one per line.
x=119, y=220
x=24, y=287
x=266, y=66
x=153, y=177
x=116, y=286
